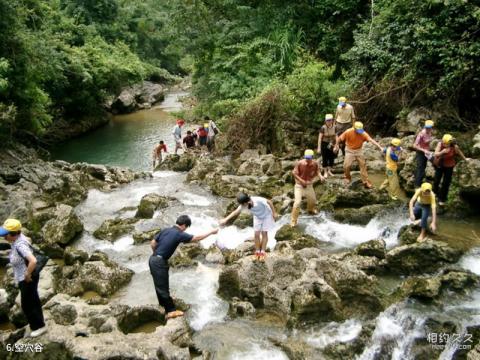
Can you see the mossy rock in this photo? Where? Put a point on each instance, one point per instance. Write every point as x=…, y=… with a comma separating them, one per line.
x=112, y=229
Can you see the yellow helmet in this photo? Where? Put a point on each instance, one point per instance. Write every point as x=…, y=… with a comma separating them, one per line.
x=205, y=125
x=447, y=138
x=396, y=142
x=10, y=225
x=328, y=117
x=426, y=187
x=429, y=124
x=309, y=154
x=342, y=99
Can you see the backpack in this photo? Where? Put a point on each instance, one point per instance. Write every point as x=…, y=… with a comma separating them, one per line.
x=42, y=260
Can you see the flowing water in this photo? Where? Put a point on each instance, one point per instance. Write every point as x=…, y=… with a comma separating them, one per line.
x=128, y=142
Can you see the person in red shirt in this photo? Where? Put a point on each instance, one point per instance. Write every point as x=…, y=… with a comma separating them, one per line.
x=354, y=139
x=306, y=172
x=202, y=133
x=444, y=163
x=157, y=152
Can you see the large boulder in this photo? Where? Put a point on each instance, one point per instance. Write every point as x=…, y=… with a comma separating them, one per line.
x=296, y=238
x=184, y=162
x=374, y=248
x=431, y=287
x=333, y=194
x=303, y=286
x=102, y=276
x=363, y=215
x=138, y=96
x=112, y=229
x=63, y=228
x=149, y=203
x=424, y=257
x=414, y=120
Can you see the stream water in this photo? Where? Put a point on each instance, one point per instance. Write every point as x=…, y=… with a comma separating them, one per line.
x=128, y=141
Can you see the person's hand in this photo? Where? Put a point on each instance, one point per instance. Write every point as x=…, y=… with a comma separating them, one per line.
x=322, y=178
x=412, y=217
x=275, y=216
x=468, y=159
x=433, y=227
x=28, y=277
x=319, y=151
x=222, y=222
x=335, y=149
x=214, y=231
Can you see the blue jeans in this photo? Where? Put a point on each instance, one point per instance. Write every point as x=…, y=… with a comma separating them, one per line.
x=423, y=212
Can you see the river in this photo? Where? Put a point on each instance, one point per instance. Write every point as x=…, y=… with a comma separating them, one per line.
x=128, y=141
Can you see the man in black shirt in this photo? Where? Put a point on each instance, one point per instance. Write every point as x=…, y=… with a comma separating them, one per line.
x=163, y=246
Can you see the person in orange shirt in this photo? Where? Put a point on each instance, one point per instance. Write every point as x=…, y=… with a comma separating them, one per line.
x=306, y=172
x=354, y=139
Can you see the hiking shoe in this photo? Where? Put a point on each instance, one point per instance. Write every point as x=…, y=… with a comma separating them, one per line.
x=174, y=314
x=262, y=256
x=38, y=332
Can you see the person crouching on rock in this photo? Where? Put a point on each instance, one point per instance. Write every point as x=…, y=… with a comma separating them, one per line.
x=264, y=216
x=163, y=246
x=306, y=171
x=421, y=206
x=23, y=263
x=354, y=139
x=392, y=155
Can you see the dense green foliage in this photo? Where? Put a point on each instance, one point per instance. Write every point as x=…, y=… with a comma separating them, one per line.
x=387, y=60
x=61, y=59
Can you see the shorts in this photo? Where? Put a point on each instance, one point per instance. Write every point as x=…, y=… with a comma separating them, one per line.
x=266, y=224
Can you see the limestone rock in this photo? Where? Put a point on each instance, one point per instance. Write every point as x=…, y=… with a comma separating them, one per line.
x=63, y=228
x=104, y=277
x=374, y=248
x=72, y=255
x=112, y=229
x=421, y=257
x=238, y=308
x=184, y=162
x=297, y=239
x=149, y=204
x=362, y=215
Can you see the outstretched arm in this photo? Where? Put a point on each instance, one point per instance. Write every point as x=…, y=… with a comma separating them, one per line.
x=375, y=143
x=201, y=237
x=232, y=215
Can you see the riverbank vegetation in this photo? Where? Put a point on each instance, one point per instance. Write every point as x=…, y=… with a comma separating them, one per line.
x=388, y=57
x=62, y=59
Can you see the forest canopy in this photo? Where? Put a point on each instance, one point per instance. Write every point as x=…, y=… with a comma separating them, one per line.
x=60, y=59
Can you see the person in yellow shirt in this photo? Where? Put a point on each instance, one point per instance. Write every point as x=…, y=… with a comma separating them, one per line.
x=392, y=156
x=421, y=205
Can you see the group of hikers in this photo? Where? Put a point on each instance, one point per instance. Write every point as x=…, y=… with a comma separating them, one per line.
x=203, y=136
x=341, y=132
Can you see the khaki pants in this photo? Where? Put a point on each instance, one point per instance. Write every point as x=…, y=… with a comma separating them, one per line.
x=392, y=182
x=350, y=157
x=309, y=193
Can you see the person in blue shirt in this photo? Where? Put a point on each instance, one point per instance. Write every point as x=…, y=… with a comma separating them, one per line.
x=163, y=246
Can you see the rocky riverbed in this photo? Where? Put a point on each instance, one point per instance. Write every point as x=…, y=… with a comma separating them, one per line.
x=328, y=289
